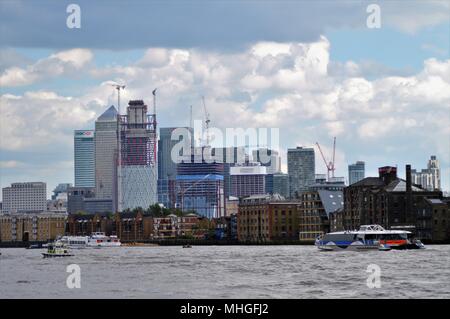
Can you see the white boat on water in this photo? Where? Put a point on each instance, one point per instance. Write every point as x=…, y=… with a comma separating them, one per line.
x=57, y=249
x=368, y=237
x=97, y=239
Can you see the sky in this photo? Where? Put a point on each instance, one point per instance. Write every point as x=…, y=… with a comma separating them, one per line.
x=312, y=69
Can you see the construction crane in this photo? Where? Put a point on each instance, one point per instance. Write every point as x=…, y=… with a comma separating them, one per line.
x=119, y=87
x=330, y=165
x=207, y=120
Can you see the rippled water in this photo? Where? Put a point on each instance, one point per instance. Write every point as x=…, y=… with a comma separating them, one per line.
x=226, y=272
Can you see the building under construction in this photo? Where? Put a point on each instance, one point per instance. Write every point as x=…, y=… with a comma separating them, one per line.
x=138, y=166
x=200, y=187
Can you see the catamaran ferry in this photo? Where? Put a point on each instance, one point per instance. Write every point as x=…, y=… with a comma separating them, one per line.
x=368, y=237
x=97, y=239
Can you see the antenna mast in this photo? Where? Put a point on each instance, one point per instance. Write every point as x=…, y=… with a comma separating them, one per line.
x=207, y=120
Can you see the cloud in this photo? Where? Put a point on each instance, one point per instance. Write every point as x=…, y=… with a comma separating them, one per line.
x=62, y=63
x=286, y=85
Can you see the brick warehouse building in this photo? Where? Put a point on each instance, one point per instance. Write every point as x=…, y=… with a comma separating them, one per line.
x=266, y=218
x=385, y=200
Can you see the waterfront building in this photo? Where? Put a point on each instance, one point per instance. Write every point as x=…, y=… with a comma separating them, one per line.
x=314, y=212
x=231, y=205
x=226, y=228
x=86, y=224
x=266, y=218
x=84, y=158
x=28, y=196
x=248, y=180
x=356, y=172
x=32, y=226
x=433, y=220
x=268, y=158
x=301, y=170
x=132, y=226
x=385, y=200
x=106, y=156
x=429, y=178
x=139, y=170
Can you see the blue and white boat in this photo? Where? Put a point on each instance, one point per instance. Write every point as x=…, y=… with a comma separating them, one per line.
x=368, y=237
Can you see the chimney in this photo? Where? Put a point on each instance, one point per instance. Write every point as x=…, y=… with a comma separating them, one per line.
x=409, y=216
x=408, y=178
x=387, y=174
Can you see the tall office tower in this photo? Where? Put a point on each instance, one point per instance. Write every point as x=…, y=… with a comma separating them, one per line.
x=199, y=187
x=167, y=167
x=429, y=178
x=29, y=196
x=106, y=156
x=139, y=170
x=268, y=158
x=301, y=170
x=356, y=172
x=247, y=180
x=84, y=158
x=281, y=184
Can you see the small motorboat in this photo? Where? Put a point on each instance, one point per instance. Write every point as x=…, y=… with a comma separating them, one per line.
x=384, y=247
x=57, y=249
x=187, y=246
x=34, y=246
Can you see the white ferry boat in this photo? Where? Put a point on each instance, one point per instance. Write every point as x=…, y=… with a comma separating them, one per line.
x=368, y=237
x=97, y=239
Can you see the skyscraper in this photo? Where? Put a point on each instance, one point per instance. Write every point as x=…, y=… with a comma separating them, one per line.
x=281, y=184
x=356, y=172
x=167, y=168
x=199, y=187
x=301, y=169
x=429, y=178
x=84, y=158
x=106, y=156
x=139, y=171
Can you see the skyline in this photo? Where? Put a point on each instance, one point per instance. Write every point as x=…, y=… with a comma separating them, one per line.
x=313, y=83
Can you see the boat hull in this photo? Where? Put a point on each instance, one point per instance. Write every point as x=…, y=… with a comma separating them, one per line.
x=47, y=255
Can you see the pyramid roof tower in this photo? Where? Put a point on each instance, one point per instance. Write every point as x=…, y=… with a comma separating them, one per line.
x=109, y=115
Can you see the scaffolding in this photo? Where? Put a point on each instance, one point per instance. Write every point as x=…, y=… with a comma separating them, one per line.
x=138, y=162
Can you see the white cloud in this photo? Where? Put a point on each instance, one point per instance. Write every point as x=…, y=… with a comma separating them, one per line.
x=292, y=86
x=61, y=63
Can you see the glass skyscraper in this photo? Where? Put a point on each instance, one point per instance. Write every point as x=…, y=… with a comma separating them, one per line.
x=356, y=172
x=301, y=170
x=84, y=158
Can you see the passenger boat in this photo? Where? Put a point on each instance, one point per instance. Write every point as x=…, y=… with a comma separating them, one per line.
x=97, y=239
x=57, y=249
x=76, y=242
x=368, y=237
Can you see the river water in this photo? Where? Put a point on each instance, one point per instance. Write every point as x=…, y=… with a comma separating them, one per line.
x=226, y=272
